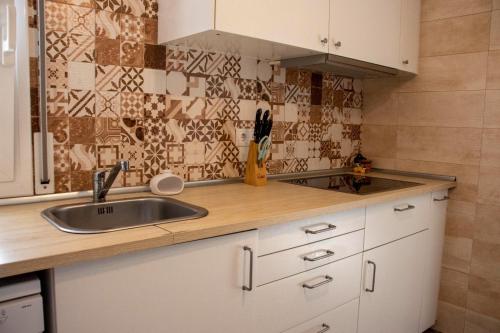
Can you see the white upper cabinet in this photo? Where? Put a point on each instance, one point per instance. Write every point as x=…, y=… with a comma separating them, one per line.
x=367, y=30
x=410, y=35
x=300, y=23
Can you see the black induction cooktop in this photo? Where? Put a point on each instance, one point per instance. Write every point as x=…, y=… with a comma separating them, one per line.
x=354, y=184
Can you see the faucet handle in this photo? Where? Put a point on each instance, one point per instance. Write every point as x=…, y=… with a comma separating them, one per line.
x=99, y=175
x=124, y=164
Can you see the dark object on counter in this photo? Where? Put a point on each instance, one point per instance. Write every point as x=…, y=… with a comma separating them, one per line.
x=354, y=184
x=263, y=125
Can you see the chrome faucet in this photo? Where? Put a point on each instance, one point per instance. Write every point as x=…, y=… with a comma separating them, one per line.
x=101, y=185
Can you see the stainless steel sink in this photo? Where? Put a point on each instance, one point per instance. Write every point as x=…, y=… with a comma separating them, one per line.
x=89, y=218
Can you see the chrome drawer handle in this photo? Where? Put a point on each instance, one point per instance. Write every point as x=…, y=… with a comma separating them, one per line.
x=250, y=278
x=314, y=232
x=442, y=199
x=324, y=328
x=409, y=207
x=372, y=289
x=327, y=255
x=328, y=279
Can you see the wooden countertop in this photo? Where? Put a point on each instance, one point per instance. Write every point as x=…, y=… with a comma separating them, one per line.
x=29, y=243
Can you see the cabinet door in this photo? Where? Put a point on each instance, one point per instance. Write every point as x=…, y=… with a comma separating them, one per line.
x=433, y=253
x=410, y=35
x=391, y=289
x=189, y=288
x=367, y=30
x=300, y=23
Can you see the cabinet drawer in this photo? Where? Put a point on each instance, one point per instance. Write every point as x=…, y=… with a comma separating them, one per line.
x=390, y=221
x=279, y=265
x=296, y=299
x=343, y=319
x=300, y=232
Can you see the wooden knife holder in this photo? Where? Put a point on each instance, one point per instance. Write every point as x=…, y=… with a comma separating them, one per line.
x=255, y=175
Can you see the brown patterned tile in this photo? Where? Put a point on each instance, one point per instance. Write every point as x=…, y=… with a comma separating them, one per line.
x=155, y=56
x=62, y=182
x=108, y=104
x=150, y=9
x=82, y=131
x=132, y=131
x=81, y=20
x=56, y=45
x=195, y=172
x=132, y=105
x=35, y=102
x=132, y=79
x=232, y=66
x=154, y=106
x=248, y=89
x=155, y=130
x=134, y=154
x=108, y=78
x=150, y=31
x=222, y=151
x=82, y=3
x=57, y=102
x=107, y=51
x=81, y=180
x=34, y=80
x=61, y=159
x=107, y=24
x=133, y=7
x=176, y=59
x=175, y=153
x=109, y=5
x=132, y=54
x=56, y=74
x=82, y=157
x=133, y=177
x=155, y=157
x=108, y=131
x=81, y=103
x=107, y=156
x=56, y=16
x=81, y=48
x=132, y=28
x=59, y=127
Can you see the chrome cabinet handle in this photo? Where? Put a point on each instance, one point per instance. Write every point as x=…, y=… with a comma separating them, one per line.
x=324, y=40
x=327, y=255
x=442, y=199
x=324, y=328
x=314, y=232
x=250, y=279
x=372, y=289
x=409, y=207
x=328, y=279
x=406, y=62
x=338, y=44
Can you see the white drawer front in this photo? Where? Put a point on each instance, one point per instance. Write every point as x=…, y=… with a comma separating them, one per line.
x=297, y=233
x=279, y=265
x=288, y=302
x=343, y=319
x=390, y=221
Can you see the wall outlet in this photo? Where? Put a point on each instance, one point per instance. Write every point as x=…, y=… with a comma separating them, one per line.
x=243, y=137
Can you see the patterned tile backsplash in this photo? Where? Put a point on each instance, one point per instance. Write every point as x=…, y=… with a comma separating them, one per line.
x=113, y=93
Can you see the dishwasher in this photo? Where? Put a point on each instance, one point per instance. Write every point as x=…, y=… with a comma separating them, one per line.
x=21, y=305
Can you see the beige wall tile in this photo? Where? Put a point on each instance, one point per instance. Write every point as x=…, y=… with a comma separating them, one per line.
x=493, y=80
x=492, y=109
x=450, y=73
x=457, y=253
x=467, y=176
x=444, y=109
x=485, y=259
x=484, y=296
x=490, y=149
x=449, y=145
x=383, y=163
x=460, y=219
x=379, y=141
x=495, y=30
x=487, y=226
x=380, y=108
x=450, y=318
x=478, y=323
x=464, y=34
x=453, y=287
x=489, y=185
x=496, y=4
x=439, y=9
x=387, y=85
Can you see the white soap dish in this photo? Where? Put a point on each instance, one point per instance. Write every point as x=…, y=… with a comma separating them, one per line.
x=166, y=183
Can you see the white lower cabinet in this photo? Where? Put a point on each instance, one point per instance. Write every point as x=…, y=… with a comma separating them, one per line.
x=188, y=288
x=298, y=298
x=343, y=319
x=392, y=287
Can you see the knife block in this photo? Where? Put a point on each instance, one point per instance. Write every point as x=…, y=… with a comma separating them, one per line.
x=255, y=175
